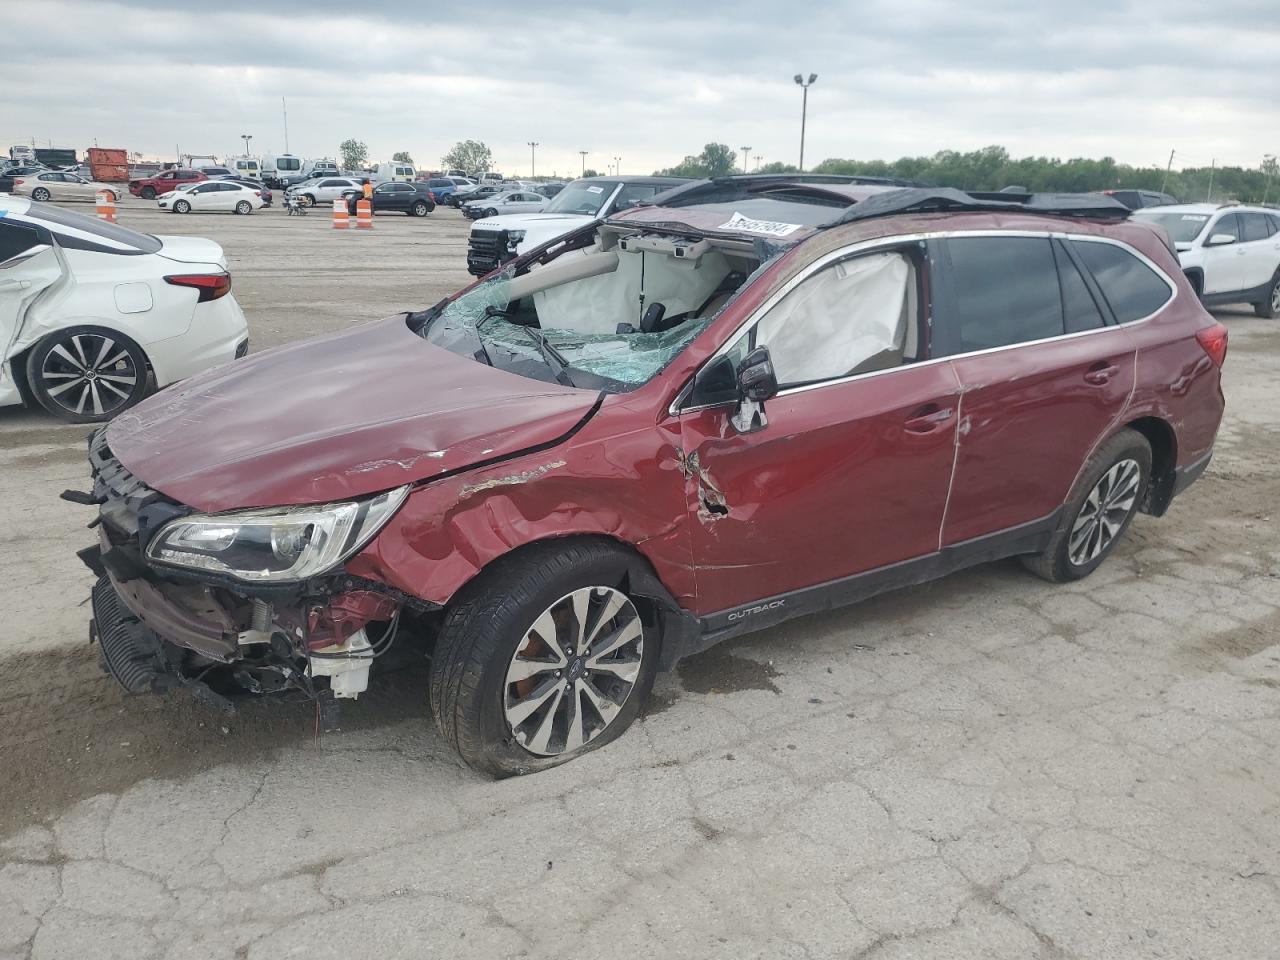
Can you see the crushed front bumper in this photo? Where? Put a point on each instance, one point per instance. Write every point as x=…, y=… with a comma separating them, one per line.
x=159, y=630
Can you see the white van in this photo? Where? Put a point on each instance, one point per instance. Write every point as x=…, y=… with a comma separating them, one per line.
x=392, y=171
x=275, y=169
x=245, y=167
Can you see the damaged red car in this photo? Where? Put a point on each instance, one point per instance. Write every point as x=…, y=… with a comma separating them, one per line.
x=754, y=398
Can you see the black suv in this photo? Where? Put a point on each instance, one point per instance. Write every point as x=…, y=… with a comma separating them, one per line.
x=413, y=199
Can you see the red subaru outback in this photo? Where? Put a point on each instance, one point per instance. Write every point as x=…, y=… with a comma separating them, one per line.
x=752, y=399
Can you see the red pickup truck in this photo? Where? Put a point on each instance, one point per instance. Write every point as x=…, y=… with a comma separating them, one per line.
x=149, y=188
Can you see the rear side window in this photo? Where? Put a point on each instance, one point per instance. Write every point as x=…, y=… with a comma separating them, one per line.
x=1005, y=292
x=78, y=232
x=1132, y=288
x=16, y=238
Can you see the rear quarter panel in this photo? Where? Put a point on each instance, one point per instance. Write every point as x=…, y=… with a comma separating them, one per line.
x=1175, y=379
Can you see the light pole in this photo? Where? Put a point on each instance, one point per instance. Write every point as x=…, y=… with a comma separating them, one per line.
x=746, y=158
x=583, y=155
x=757, y=162
x=533, y=158
x=246, y=137
x=617, y=166
x=804, y=109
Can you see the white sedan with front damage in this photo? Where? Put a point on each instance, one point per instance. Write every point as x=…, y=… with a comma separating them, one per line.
x=90, y=310
x=208, y=196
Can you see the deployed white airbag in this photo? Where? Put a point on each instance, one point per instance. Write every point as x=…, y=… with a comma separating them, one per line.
x=839, y=318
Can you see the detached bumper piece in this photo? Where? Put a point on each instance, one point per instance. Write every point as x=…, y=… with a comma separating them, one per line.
x=129, y=650
x=486, y=250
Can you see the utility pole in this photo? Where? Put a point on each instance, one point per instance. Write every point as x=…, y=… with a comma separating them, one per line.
x=284, y=107
x=746, y=157
x=1165, y=182
x=533, y=158
x=1212, y=164
x=583, y=154
x=757, y=162
x=804, y=109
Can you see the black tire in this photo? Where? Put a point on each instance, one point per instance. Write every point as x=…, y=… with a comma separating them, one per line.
x=181, y=206
x=1055, y=564
x=310, y=199
x=244, y=207
x=482, y=629
x=148, y=193
x=40, y=193
x=1269, y=306
x=57, y=392
x=420, y=209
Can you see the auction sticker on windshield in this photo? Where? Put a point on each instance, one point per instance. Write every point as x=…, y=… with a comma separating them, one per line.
x=774, y=228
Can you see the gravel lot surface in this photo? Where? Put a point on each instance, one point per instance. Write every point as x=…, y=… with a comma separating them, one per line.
x=989, y=766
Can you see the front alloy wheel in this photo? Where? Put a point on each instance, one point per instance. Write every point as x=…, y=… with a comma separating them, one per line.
x=573, y=671
x=1104, y=512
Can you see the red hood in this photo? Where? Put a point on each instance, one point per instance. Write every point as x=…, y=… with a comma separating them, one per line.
x=346, y=415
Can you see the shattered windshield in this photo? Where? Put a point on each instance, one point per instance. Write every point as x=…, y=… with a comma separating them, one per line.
x=480, y=324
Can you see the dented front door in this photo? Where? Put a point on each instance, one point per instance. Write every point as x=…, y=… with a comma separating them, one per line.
x=847, y=476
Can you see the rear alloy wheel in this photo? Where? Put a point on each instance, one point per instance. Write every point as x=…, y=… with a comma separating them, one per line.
x=87, y=374
x=243, y=207
x=181, y=206
x=419, y=209
x=1109, y=492
x=544, y=657
x=1270, y=306
x=39, y=193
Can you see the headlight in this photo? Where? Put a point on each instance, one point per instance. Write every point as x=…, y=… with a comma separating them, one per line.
x=274, y=544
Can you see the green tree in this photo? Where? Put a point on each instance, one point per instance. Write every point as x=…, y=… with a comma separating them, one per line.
x=355, y=154
x=590, y=172
x=401, y=156
x=469, y=155
x=715, y=160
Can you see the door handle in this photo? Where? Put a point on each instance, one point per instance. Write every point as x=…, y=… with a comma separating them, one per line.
x=1100, y=373
x=928, y=418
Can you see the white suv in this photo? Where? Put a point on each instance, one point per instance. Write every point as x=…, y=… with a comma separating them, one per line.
x=1230, y=253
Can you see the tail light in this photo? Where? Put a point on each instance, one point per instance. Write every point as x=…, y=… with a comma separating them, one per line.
x=208, y=286
x=19, y=182
x=1214, y=341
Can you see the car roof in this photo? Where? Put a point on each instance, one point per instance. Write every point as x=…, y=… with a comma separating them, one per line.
x=1181, y=208
x=638, y=181
x=790, y=208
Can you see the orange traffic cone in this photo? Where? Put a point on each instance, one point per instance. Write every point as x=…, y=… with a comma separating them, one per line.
x=341, y=216
x=364, y=215
x=106, y=206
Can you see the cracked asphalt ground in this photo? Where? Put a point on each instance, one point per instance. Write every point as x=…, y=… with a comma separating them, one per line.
x=989, y=766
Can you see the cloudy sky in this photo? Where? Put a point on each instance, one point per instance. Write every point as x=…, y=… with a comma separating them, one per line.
x=649, y=82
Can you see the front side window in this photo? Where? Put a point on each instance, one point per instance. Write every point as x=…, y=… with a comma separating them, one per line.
x=632, y=194
x=584, y=198
x=1005, y=292
x=1228, y=225
x=1253, y=226
x=855, y=316
x=1133, y=289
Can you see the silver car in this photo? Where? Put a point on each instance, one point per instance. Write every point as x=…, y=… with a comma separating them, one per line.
x=517, y=201
x=324, y=189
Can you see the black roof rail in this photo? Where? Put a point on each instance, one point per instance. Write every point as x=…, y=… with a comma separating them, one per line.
x=717, y=189
x=949, y=200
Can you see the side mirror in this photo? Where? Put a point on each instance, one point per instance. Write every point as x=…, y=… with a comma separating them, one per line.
x=1221, y=239
x=757, y=383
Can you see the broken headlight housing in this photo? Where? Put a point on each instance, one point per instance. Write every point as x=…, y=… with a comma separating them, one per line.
x=273, y=544
x=514, y=239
